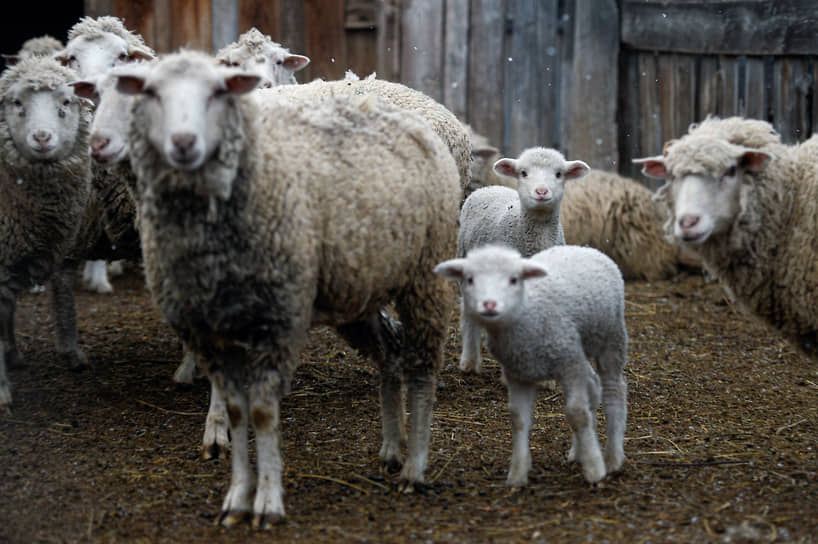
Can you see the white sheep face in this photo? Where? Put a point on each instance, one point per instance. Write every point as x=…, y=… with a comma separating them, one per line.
x=492, y=282
x=96, y=55
x=186, y=103
x=109, y=130
x=705, y=205
x=43, y=122
x=274, y=64
x=541, y=175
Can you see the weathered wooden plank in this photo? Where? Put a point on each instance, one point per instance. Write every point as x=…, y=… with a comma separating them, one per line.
x=630, y=132
x=522, y=90
x=756, y=93
x=547, y=67
x=225, y=22
x=486, y=83
x=163, y=28
x=361, y=57
x=421, y=47
x=388, y=43
x=565, y=49
x=709, y=101
x=729, y=77
x=138, y=16
x=650, y=141
x=456, y=57
x=739, y=27
x=192, y=26
x=684, y=108
x=593, y=121
x=292, y=32
x=263, y=15
x=792, y=83
x=95, y=8
x=326, y=39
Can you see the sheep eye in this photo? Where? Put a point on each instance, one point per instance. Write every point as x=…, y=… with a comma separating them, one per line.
x=234, y=64
x=512, y=280
x=17, y=102
x=150, y=93
x=123, y=57
x=524, y=174
x=559, y=175
x=731, y=172
x=279, y=62
x=470, y=280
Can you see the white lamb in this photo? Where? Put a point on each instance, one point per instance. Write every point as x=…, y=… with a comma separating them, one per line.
x=545, y=317
x=527, y=219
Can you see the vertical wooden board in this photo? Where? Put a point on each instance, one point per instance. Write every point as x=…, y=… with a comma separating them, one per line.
x=139, y=17
x=291, y=30
x=730, y=85
x=792, y=82
x=630, y=121
x=192, y=25
x=95, y=8
x=565, y=37
x=225, y=22
x=361, y=56
x=592, y=135
x=163, y=29
x=709, y=100
x=326, y=39
x=485, y=103
x=521, y=95
x=421, y=47
x=261, y=14
x=755, y=89
x=814, y=95
x=684, y=78
x=456, y=57
x=388, y=42
x=650, y=142
x=546, y=68
x=665, y=86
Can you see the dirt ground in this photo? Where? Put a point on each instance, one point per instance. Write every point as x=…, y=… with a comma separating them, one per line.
x=722, y=440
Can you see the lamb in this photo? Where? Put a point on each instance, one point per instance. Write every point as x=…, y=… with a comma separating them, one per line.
x=545, y=316
x=241, y=258
x=445, y=124
x=41, y=46
x=527, y=219
x=612, y=213
x=45, y=183
x=746, y=204
x=95, y=45
x=257, y=53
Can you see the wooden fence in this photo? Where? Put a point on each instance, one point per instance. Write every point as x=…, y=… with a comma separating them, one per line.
x=602, y=80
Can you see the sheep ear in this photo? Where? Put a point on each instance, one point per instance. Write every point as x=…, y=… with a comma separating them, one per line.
x=506, y=167
x=85, y=89
x=654, y=167
x=532, y=269
x=241, y=83
x=141, y=53
x=753, y=161
x=484, y=152
x=452, y=269
x=294, y=63
x=11, y=60
x=576, y=170
x=127, y=84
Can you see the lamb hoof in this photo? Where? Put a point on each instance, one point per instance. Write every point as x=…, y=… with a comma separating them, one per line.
x=469, y=367
x=614, y=462
x=232, y=517
x=408, y=488
x=264, y=522
x=213, y=451
x=594, y=473
x=517, y=481
x=392, y=466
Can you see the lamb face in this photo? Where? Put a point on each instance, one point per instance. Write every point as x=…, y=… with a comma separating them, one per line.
x=43, y=122
x=90, y=55
x=109, y=130
x=187, y=107
x=273, y=64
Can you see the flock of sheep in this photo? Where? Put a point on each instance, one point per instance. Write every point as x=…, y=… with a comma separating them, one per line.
x=260, y=207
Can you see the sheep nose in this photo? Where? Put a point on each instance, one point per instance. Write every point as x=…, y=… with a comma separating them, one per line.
x=688, y=221
x=183, y=141
x=490, y=305
x=98, y=143
x=42, y=137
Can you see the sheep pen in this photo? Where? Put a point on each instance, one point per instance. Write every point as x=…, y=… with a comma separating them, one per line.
x=721, y=439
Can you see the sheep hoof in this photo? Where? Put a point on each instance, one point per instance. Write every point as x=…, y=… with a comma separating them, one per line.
x=232, y=517
x=213, y=451
x=266, y=521
x=517, y=481
x=392, y=466
x=408, y=487
x=74, y=360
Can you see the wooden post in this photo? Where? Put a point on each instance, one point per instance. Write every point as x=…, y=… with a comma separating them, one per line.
x=326, y=42
x=486, y=56
x=387, y=64
x=421, y=47
x=456, y=57
x=225, y=22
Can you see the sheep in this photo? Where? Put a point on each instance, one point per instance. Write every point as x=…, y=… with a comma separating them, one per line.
x=545, y=316
x=95, y=45
x=607, y=211
x=445, y=124
x=527, y=219
x=45, y=183
x=260, y=217
x=746, y=204
x=41, y=46
x=258, y=53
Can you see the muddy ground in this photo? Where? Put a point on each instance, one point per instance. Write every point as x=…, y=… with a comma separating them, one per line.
x=722, y=440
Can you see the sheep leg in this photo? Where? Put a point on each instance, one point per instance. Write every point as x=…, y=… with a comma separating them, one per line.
x=239, y=500
x=582, y=393
x=471, y=359
x=521, y=397
x=187, y=368
x=265, y=402
x=65, y=314
x=614, y=400
x=95, y=277
x=216, y=442
x=6, y=332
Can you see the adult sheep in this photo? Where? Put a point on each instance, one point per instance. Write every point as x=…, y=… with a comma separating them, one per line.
x=257, y=53
x=259, y=218
x=45, y=183
x=747, y=205
x=604, y=210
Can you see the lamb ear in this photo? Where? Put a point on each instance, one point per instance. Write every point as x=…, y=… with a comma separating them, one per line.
x=506, y=167
x=241, y=83
x=654, y=167
x=294, y=63
x=484, y=152
x=141, y=53
x=85, y=89
x=11, y=60
x=452, y=269
x=753, y=161
x=576, y=170
x=129, y=84
x=533, y=269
